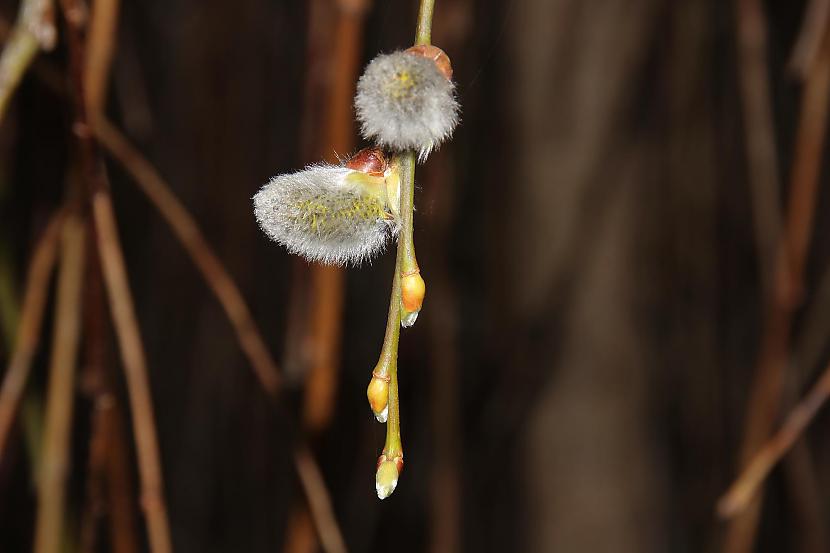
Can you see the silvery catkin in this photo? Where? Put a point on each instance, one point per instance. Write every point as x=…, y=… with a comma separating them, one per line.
x=405, y=102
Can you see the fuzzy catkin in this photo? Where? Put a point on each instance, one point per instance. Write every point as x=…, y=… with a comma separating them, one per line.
x=404, y=102
x=324, y=215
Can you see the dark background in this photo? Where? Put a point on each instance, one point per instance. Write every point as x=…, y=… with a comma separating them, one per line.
x=578, y=378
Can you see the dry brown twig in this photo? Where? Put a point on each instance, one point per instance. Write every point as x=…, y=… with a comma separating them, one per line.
x=52, y=478
x=28, y=333
x=808, y=44
x=187, y=231
x=223, y=286
x=118, y=292
x=742, y=491
x=221, y=283
x=100, y=41
x=217, y=277
x=319, y=502
x=783, y=284
x=109, y=484
x=759, y=131
x=135, y=367
x=804, y=184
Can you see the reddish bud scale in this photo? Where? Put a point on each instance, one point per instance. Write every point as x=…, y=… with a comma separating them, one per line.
x=398, y=460
x=368, y=160
x=441, y=59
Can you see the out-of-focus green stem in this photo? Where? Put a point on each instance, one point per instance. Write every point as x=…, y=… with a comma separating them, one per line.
x=18, y=54
x=30, y=409
x=50, y=522
x=33, y=31
x=9, y=309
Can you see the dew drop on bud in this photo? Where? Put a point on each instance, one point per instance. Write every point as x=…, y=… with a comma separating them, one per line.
x=383, y=415
x=408, y=319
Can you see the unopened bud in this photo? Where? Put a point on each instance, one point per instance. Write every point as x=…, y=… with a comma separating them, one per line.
x=386, y=477
x=378, y=395
x=413, y=289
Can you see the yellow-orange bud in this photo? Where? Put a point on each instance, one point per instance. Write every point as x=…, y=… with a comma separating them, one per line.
x=386, y=477
x=378, y=395
x=413, y=289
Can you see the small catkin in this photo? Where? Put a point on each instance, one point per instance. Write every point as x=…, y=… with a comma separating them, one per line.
x=404, y=102
x=324, y=215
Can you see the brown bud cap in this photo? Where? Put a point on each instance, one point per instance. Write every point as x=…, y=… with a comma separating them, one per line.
x=369, y=160
x=441, y=59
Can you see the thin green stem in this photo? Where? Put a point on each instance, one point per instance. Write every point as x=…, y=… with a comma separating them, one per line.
x=17, y=56
x=9, y=309
x=33, y=31
x=405, y=264
x=393, y=447
x=389, y=352
x=423, y=33
x=406, y=242
x=388, y=363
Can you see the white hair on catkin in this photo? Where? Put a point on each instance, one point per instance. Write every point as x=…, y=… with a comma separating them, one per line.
x=404, y=102
x=321, y=215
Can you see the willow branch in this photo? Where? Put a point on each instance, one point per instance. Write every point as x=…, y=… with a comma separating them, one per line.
x=319, y=502
x=135, y=367
x=406, y=242
x=759, y=134
x=804, y=182
x=217, y=277
x=54, y=466
x=388, y=364
x=405, y=303
x=808, y=45
x=28, y=333
x=190, y=236
x=100, y=40
x=120, y=298
x=776, y=268
x=9, y=308
x=109, y=489
x=742, y=491
x=221, y=283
